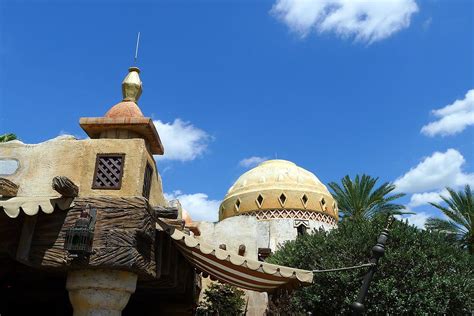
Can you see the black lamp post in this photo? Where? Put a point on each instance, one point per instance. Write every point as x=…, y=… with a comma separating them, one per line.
x=377, y=252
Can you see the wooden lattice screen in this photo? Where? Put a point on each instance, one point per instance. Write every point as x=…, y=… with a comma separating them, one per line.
x=147, y=181
x=108, y=171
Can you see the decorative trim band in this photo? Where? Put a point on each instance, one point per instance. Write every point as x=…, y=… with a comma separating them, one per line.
x=294, y=214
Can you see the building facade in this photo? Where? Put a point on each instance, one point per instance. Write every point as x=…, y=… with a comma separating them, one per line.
x=85, y=228
x=267, y=206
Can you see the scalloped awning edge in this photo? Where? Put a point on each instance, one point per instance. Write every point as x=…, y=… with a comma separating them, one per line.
x=32, y=205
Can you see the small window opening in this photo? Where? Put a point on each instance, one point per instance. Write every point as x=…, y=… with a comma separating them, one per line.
x=147, y=181
x=301, y=230
x=264, y=253
x=108, y=171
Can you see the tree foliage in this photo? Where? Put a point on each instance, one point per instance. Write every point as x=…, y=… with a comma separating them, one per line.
x=222, y=299
x=421, y=272
x=460, y=211
x=7, y=137
x=359, y=198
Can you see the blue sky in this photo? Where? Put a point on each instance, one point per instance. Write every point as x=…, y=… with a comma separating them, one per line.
x=338, y=89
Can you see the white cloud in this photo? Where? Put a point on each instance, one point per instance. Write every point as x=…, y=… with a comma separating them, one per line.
x=425, y=198
x=418, y=219
x=199, y=206
x=435, y=173
x=453, y=118
x=365, y=20
x=251, y=161
x=182, y=140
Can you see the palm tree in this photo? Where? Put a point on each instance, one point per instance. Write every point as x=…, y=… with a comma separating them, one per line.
x=460, y=213
x=360, y=199
x=7, y=137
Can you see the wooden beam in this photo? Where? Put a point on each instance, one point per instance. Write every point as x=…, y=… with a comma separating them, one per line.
x=177, y=223
x=27, y=231
x=8, y=188
x=164, y=212
x=65, y=187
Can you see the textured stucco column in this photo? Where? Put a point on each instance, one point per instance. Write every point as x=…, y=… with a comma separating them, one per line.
x=100, y=292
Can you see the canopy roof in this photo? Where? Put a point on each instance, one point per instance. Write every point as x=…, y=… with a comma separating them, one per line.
x=235, y=269
x=220, y=264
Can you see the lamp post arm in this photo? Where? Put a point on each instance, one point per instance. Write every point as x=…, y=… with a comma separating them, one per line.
x=378, y=252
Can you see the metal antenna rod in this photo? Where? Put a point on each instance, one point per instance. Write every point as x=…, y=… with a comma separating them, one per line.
x=136, y=49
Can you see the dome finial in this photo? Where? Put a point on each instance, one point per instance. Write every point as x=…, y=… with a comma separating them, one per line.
x=132, y=85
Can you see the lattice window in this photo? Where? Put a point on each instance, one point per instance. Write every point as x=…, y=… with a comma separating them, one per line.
x=108, y=171
x=147, y=181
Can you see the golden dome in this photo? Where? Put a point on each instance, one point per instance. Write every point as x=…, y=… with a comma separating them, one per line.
x=278, y=185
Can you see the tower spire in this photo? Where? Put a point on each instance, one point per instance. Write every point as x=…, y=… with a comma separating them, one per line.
x=136, y=48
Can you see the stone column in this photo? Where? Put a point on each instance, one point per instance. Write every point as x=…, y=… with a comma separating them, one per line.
x=100, y=292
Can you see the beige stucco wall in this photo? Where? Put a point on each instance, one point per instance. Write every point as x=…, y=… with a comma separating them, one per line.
x=254, y=234
x=76, y=159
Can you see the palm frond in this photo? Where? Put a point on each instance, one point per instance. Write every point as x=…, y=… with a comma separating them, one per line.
x=460, y=211
x=7, y=137
x=360, y=198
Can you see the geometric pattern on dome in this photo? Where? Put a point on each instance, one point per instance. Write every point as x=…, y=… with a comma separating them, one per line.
x=108, y=172
x=259, y=200
x=323, y=204
x=237, y=205
x=295, y=214
x=282, y=199
x=305, y=200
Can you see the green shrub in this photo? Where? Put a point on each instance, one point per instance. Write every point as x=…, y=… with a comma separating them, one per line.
x=222, y=299
x=421, y=272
